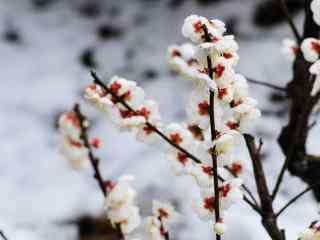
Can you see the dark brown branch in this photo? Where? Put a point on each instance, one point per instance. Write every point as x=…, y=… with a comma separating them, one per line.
x=294, y=135
x=4, y=237
x=265, y=84
x=93, y=160
x=297, y=197
x=269, y=220
x=289, y=19
x=213, y=137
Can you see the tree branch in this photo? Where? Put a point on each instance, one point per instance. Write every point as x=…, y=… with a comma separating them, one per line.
x=289, y=19
x=265, y=84
x=269, y=220
x=297, y=197
x=3, y=235
x=93, y=160
x=213, y=155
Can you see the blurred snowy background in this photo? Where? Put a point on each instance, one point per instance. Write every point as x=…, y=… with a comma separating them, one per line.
x=46, y=50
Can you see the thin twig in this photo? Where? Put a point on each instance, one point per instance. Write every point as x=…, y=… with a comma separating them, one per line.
x=290, y=153
x=293, y=27
x=297, y=197
x=94, y=160
x=265, y=84
x=3, y=235
x=245, y=188
x=99, y=82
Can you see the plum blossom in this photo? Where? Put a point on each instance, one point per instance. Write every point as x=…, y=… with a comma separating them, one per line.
x=222, y=147
x=315, y=70
x=219, y=227
x=119, y=205
x=157, y=224
x=143, y=111
x=155, y=228
x=311, y=49
x=289, y=49
x=182, y=60
x=163, y=211
x=179, y=162
x=229, y=194
x=311, y=233
x=73, y=147
x=193, y=28
x=179, y=134
x=315, y=8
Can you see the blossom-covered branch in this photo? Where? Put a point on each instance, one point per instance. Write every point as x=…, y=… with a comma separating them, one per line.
x=83, y=124
x=119, y=197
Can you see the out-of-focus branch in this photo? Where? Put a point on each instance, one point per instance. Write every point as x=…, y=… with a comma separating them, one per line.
x=265, y=84
x=289, y=19
x=269, y=220
x=94, y=160
x=293, y=136
x=297, y=197
x=4, y=237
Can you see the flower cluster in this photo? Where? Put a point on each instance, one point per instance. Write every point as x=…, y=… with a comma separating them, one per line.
x=210, y=63
x=119, y=205
x=311, y=233
x=157, y=224
x=143, y=110
x=73, y=147
x=315, y=8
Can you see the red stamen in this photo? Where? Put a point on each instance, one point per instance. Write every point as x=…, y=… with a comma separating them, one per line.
x=236, y=168
x=182, y=158
x=203, y=108
x=316, y=46
x=232, y=125
x=227, y=55
x=74, y=143
x=209, y=203
x=218, y=70
x=72, y=117
x=176, y=138
x=197, y=26
x=207, y=170
x=163, y=213
x=222, y=92
x=95, y=142
x=109, y=185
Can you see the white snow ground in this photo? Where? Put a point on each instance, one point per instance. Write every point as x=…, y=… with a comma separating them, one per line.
x=42, y=76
